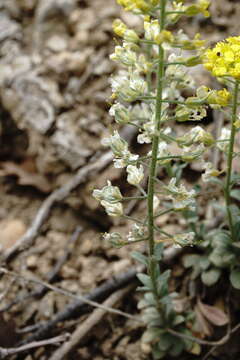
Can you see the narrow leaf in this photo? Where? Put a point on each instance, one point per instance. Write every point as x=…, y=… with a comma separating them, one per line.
x=140, y=257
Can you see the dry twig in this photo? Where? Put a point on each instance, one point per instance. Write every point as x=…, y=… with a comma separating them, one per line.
x=88, y=324
x=220, y=342
x=69, y=294
x=78, y=308
x=13, y=351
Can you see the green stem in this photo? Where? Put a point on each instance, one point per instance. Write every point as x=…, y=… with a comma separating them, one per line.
x=153, y=165
x=230, y=159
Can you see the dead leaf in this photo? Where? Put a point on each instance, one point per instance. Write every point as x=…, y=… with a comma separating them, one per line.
x=25, y=177
x=202, y=326
x=213, y=314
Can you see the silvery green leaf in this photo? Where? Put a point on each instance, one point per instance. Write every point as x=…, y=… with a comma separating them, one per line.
x=210, y=277
x=235, y=194
x=190, y=260
x=163, y=283
x=235, y=278
x=140, y=257
x=150, y=299
x=204, y=262
x=145, y=280
x=151, y=334
x=150, y=314
x=220, y=257
x=158, y=251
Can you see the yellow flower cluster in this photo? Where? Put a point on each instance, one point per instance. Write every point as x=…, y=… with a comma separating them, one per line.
x=222, y=97
x=224, y=58
x=142, y=5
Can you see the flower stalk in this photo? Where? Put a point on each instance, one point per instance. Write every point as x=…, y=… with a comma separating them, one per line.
x=230, y=159
x=153, y=164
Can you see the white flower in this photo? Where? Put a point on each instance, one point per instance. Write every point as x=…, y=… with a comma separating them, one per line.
x=152, y=29
x=163, y=152
x=121, y=113
x=193, y=152
x=196, y=135
x=114, y=210
x=181, y=198
x=185, y=113
x=124, y=54
x=224, y=140
x=186, y=239
x=118, y=145
x=156, y=203
x=120, y=149
x=210, y=172
x=135, y=174
x=108, y=193
x=128, y=86
x=148, y=132
x=137, y=233
x=114, y=238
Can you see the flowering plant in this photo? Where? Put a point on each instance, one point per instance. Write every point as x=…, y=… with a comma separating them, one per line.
x=149, y=93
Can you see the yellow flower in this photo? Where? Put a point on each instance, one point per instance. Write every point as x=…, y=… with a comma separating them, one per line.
x=119, y=27
x=139, y=5
x=121, y=30
x=224, y=58
x=223, y=97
